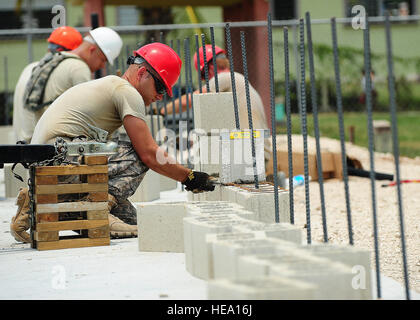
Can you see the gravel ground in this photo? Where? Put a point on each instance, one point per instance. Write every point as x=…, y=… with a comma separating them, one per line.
x=390, y=254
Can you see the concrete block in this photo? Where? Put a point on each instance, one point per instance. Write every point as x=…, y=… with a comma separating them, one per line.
x=283, y=231
x=218, y=208
x=7, y=135
x=213, y=111
x=215, y=195
x=195, y=231
x=356, y=258
x=167, y=183
x=11, y=184
x=227, y=252
x=262, y=202
x=211, y=238
x=209, y=158
x=265, y=288
x=160, y=226
x=149, y=188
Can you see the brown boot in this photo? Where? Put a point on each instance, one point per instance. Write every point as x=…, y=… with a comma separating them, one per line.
x=120, y=229
x=20, y=222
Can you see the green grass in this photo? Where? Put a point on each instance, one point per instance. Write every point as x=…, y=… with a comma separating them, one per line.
x=408, y=128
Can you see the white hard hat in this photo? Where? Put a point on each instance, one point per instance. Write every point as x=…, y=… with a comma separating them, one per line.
x=108, y=41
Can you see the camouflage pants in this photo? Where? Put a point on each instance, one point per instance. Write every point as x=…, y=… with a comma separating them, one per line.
x=125, y=173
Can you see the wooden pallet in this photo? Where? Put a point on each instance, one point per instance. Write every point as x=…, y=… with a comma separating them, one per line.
x=89, y=215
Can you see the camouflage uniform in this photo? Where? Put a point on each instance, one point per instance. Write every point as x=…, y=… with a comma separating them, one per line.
x=125, y=173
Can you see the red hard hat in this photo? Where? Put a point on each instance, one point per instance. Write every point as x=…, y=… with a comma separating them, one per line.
x=164, y=60
x=67, y=37
x=209, y=55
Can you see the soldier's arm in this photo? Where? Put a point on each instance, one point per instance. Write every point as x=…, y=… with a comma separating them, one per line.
x=149, y=152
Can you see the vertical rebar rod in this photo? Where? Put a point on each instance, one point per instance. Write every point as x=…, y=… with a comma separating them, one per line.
x=173, y=111
x=304, y=129
x=297, y=70
x=180, y=132
x=273, y=118
x=187, y=91
x=190, y=83
x=341, y=127
x=316, y=124
x=288, y=121
x=213, y=49
x=232, y=75
x=197, y=50
x=396, y=151
x=248, y=104
x=206, y=66
x=366, y=41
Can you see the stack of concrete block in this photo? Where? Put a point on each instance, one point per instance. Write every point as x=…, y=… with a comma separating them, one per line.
x=167, y=183
x=283, y=231
x=334, y=279
x=149, y=188
x=201, y=208
x=265, y=288
x=11, y=184
x=160, y=226
x=226, y=253
x=195, y=231
x=215, y=195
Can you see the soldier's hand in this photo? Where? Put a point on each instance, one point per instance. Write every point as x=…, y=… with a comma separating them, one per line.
x=198, y=182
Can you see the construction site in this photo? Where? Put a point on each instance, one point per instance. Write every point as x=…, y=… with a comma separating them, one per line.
x=180, y=151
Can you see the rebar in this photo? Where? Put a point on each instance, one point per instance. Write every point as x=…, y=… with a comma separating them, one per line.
x=213, y=49
x=396, y=151
x=368, y=90
x=206, y=66
x=232, y=75
x=288, y=121
x=248, y=104
x=187, y=93
x=304, y=129
x=273, y=118
x=341, y=127
x=190, y=84
x=316, y=124
x=197, y=49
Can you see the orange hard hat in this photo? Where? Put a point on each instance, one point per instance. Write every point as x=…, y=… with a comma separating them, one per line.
x=67, y=37
x=164, y=60
x=209, y=55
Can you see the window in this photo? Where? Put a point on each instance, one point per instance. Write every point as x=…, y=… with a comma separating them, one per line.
x=283, y=9
x=128, y=15
x=399, y=8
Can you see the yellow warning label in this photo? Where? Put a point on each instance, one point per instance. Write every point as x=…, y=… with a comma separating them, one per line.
x=243, y=134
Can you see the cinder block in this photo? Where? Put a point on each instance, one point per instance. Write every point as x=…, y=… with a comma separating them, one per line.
x=228, y=193
x=218, y=208
x=356, y=258
x=265, y=288
x=213, y=111
x=7, y=135
x=160, y=226
x=167, y=183
x=195, y=231
x=226, y=253
x=149, y=188
x=283, y=231
x=209, y=154
x=215, y=195
x=262, y=202
x=11, y=184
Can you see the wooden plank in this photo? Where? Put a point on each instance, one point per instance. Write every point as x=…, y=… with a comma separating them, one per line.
x=97, y=215
x=71, y=225
x=96, y=160
x=71, y=206
x=46, y=236
x=98, y=196
x=45, y=198
x=100, y=232
x=71, y=188
x=41, y=180
x=46, y=217
x=73, y=243
x=70, y=170
x=97, y=178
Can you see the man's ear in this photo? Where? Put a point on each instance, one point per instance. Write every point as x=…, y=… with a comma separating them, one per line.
x=140, y=72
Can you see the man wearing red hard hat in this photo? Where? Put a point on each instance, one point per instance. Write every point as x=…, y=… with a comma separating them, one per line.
x=95, y=109
x=225, y=85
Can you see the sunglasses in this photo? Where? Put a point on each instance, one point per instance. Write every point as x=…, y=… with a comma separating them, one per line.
x=160, y=87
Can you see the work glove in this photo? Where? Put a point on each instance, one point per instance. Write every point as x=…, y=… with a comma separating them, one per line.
x=197, y=182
